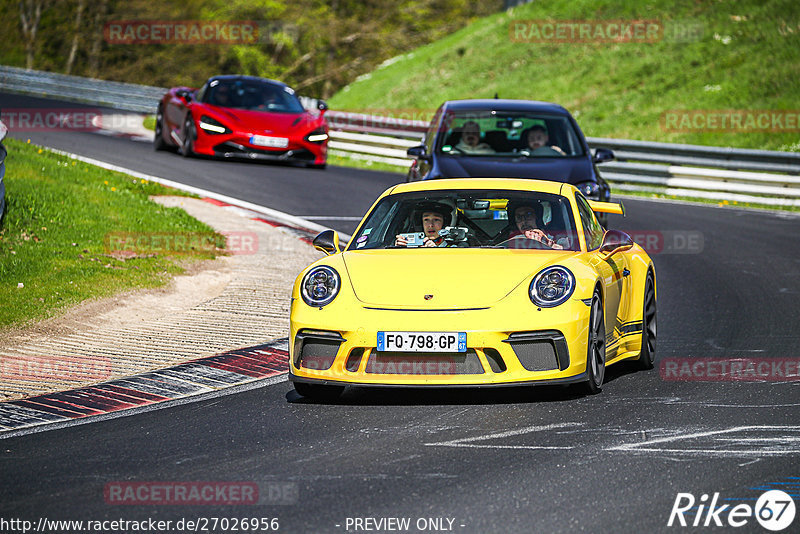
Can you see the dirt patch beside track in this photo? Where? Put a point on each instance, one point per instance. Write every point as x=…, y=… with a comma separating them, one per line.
x=220, y=305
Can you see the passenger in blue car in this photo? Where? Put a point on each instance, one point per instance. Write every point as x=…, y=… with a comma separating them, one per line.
x=470, y=142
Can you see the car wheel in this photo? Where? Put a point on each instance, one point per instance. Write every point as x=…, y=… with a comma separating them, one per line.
x=158, y=139
x=596, y=351
x=648, y=355
x=187, y=149
x=319, y=166
x=318, y=392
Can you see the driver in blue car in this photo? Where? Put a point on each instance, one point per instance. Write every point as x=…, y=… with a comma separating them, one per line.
x=538, y=141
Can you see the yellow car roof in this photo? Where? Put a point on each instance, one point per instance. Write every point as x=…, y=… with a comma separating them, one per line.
x=544, y=186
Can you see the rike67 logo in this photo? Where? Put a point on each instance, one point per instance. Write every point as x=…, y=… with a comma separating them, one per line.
x=774, y=510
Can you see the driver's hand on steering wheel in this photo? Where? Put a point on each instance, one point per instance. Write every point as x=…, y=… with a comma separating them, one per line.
x=540, y=236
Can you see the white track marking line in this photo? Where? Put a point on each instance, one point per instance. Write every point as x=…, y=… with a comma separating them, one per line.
x=646, y=445
x=468, y=442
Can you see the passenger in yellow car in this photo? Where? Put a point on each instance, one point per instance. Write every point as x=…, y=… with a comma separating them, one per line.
x=433, y=218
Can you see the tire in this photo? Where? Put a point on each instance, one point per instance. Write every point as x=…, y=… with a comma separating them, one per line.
x=318, y=392
x=187, y=149
x=647, y=356
x=158, y=139
x=320, y=166
x=596, y=349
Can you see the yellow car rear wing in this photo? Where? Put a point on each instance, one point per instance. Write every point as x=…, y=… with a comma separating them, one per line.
x=607, y=207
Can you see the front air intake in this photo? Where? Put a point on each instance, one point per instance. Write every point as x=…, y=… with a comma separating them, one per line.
x=316, y=350
x=536, y=355
x=545, y=350
x=423, y=363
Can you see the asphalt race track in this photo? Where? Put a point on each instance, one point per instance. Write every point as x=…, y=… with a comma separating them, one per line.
x=492, y=460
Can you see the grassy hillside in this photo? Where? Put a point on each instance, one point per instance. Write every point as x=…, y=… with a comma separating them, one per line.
x=738, y=56
x=57, y=239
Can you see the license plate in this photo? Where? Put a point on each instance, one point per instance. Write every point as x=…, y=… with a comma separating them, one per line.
x=422, y=341
x=265, y=140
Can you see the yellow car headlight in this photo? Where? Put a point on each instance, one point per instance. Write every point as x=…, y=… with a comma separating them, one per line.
x=320, y=286
x=552, y=286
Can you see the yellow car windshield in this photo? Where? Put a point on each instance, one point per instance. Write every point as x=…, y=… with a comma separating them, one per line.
x=469, y=219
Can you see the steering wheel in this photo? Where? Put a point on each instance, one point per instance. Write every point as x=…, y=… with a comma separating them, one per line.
x=529, y=243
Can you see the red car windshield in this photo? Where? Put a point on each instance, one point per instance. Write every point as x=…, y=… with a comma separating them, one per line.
x=253, y=96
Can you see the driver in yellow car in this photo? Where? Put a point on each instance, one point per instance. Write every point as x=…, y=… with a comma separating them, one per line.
x=526, y=217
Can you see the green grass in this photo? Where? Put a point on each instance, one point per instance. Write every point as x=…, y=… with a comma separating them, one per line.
x=344, y=161
x=54, y=242
x=150, y=122
x=746, y=58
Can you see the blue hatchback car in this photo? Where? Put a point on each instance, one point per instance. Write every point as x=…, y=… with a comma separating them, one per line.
x=509, y=139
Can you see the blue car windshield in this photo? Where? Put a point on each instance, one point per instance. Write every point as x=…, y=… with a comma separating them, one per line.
x=508, y=134
x=253, y=95
x=469, y=219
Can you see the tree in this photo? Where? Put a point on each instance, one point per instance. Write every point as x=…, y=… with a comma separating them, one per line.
x=76, y=32
x=30, y=13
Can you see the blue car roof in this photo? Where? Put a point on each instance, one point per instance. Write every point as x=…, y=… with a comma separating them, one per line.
x=502, y=104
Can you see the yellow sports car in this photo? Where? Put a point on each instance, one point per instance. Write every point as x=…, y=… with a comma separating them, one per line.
x=473, y=282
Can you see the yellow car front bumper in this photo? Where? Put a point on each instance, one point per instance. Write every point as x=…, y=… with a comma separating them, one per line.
x=508, y=344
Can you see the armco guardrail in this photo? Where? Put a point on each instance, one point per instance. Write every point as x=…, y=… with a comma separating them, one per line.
x=761, y=176
x=124, y=96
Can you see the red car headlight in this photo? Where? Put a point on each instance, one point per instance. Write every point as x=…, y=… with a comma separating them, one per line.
x=213, y=126
x=317, y=136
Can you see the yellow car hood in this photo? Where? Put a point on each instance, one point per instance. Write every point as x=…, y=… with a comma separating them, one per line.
x=456, y=278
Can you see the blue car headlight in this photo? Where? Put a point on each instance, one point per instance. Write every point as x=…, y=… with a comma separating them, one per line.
x=552, y=286
x=320, y=286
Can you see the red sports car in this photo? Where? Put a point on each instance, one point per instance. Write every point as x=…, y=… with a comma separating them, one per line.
x=242, y=116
